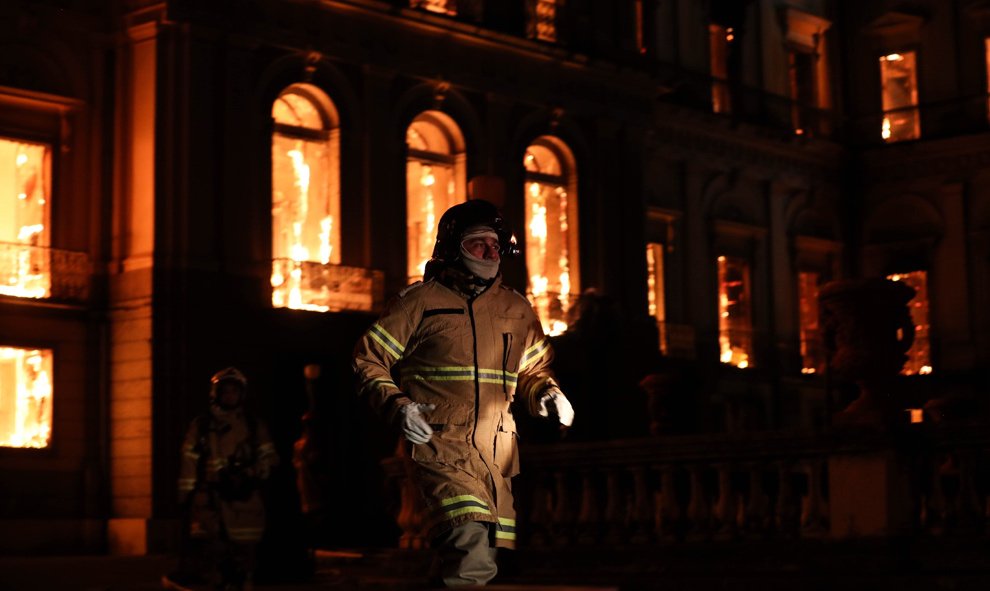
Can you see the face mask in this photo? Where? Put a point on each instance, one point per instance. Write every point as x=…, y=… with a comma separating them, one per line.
x=482, y=268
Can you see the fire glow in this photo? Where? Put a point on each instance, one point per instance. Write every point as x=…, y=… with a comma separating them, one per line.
x=734, y=324
x=25, y=397
x=305, y=199
x=548, y=228
x=25, y=178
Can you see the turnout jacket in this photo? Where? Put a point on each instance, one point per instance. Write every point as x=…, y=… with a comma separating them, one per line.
x=470, y=356
x=215, y=443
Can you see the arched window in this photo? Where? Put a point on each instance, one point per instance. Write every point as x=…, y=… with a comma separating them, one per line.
x=305, y=196
x=551, y=231
x=435, y=180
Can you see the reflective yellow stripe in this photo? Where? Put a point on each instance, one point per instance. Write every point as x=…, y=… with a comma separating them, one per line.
x=459, y=374
x=460, y=499
x=507, y=521
x=534, y=353
x=505, y=535
x=245, y=533
x=466, y=510
x=394, y=347
x=442, y=368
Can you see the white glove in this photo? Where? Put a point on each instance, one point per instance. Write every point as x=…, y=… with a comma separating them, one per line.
x=414, y=427
x=555, y=399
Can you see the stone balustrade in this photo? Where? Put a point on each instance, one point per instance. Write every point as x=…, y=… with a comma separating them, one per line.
x=932, y=480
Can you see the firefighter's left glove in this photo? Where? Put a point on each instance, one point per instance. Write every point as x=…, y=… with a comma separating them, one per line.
x=412, y=422
x=554, y=399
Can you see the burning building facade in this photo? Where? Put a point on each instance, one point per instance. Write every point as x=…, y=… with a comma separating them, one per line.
x=189, y=185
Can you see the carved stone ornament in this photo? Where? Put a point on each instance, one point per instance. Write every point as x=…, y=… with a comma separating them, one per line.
x=868, y=331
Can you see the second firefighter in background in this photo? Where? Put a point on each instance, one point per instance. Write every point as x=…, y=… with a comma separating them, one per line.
x=464, y=346
x=226, y=456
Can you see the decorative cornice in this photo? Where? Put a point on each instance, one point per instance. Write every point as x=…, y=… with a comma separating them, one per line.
x=762, y=151
x=958, y=156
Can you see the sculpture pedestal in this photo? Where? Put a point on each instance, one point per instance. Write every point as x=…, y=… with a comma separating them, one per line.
x=870, y=495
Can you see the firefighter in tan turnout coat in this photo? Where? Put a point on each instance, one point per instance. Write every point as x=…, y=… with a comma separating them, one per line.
x=463, y=346
x=226, y=455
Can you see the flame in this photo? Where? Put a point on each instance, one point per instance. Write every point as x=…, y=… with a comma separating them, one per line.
x=28, y=408
x=25, y=261
x=733, y=345
x=303, y=223
x=326, y=249
x=919, y=356
x=550, y=278
x=651, y=281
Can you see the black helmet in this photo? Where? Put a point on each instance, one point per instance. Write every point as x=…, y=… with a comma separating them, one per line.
x=230, y=374
x=456, y=220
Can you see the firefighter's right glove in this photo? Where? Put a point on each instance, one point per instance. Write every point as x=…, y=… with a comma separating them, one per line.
x=412, y=423
x=553, y=399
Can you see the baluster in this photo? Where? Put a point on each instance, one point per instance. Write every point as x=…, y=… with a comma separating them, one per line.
x=668, y=511
x=936, y=508
x=724, y=513
x=970, y=518
x=563, y=515
x=698, y=510
x=615, y=515
x=640, y=513
x=758, y=507
x=813, y=513
x=787, y=518
x=540, y=515
x=589, y=515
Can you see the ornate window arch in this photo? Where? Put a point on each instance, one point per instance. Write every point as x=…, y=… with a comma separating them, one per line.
x=305, y=195
x=436, y=178
x=551, y=230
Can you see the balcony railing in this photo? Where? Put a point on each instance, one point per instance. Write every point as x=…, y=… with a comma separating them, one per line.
x=309, y=285
x=721, y=488
x=673, y=489
x=44, y=273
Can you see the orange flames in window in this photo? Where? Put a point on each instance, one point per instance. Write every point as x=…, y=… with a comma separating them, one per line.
x=25, y=267
x=25, y=397
x=735, y=328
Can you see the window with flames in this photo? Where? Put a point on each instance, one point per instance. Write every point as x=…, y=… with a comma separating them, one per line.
x=305, y=198
x=25, y=397
x=899, y=80
x=551, y=231
x=435, y=181
x=919, y=355
x=447, y=7
x=812, y=345
x=25, y=188
x=720, y=39
x=735, y=322
x=655, y=295
x=542, y=20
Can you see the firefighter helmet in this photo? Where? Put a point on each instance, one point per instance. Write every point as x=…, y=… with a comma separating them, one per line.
x=230, y=374
x=459, y=218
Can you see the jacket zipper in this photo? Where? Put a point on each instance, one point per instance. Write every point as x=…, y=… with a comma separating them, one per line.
x=477, y=400
x=506, y=347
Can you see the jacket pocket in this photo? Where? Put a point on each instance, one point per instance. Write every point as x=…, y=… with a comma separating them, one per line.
x=506, y=447
x=451, y=439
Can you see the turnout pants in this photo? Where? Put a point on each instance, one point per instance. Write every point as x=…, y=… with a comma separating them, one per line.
x=466, y=555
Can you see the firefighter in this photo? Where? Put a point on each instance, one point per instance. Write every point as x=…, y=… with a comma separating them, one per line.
x=226, y=456
x=463, y=346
